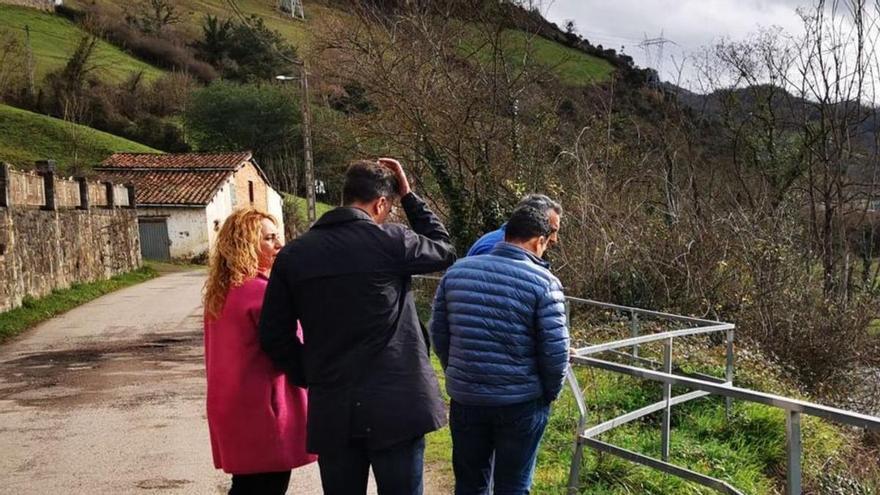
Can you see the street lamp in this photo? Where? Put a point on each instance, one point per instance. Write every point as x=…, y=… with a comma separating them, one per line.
x=307, y=138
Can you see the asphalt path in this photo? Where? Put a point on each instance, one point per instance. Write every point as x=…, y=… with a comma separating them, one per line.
x=110, y=398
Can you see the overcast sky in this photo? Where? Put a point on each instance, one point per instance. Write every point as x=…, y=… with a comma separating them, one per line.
x=691, y=24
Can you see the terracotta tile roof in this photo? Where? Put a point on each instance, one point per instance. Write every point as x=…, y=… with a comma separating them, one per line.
x=229, y=161
x=170, y=187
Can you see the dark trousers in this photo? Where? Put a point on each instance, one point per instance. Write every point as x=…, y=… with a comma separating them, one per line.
x=398, y=469
x=512, y=432
x=260, y=483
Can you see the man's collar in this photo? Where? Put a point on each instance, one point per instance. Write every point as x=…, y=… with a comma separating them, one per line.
x=509, y=250
x=342, y=214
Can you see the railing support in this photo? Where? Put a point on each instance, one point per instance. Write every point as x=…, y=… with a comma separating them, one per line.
x=793, y=449
x=667, y=396
x=728, y=373
x=634, y=331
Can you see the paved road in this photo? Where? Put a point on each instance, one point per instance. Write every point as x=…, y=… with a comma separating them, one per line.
x=109, y=398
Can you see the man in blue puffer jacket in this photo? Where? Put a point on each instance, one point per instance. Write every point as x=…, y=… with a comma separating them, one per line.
x=499, y=329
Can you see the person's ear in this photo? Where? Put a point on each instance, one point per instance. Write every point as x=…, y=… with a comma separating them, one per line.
x=377, y=206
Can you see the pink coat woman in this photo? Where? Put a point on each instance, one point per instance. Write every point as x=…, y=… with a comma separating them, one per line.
x=257, y=420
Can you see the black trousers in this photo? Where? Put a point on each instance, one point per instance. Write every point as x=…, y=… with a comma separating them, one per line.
x=260, y=483
x=398, y=469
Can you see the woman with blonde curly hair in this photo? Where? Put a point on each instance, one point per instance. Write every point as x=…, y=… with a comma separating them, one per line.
x=255, y=417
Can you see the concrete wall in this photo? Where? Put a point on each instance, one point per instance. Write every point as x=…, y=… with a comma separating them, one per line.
x=187, y=229
x=42, y=249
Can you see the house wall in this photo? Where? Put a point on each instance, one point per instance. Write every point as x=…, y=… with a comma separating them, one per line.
x=249, y=173
x=44, y=249
x=275, y=208
x=218, y=209
x=187, y=229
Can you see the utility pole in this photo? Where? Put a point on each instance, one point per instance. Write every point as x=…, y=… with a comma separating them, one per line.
x=307, y=142
x=307, y=137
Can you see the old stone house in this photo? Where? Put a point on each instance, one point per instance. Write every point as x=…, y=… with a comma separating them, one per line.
x=183, y=198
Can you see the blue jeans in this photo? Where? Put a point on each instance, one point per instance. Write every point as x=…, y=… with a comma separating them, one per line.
x=512, y=432
x=398, y=469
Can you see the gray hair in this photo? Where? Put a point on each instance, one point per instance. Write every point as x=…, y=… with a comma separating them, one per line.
x=541, y=202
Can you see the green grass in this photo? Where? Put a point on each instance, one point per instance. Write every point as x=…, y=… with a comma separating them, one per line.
x=573, y=67
x=54, y=38
x=26, y=137
x=300, y=205
x=34, y=311
x=874, y=327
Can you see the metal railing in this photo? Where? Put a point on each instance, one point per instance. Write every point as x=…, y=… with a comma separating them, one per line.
x=701, y=386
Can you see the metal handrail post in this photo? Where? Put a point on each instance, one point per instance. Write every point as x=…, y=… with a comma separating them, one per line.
x=667, y=396
x=634, y=331
x=577, y=458
x=793, y=449
x=729, y=371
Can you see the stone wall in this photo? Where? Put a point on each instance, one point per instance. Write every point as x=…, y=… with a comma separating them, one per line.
x=44, y=248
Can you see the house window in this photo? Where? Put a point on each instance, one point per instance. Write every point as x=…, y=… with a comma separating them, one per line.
x=251, y=191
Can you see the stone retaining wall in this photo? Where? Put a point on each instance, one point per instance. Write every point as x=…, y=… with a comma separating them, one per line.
x=65, y=240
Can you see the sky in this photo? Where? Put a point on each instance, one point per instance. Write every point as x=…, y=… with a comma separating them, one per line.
x=690, y=24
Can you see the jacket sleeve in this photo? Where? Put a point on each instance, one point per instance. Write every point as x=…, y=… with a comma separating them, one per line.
x=278, y=325
x=552, y=339
x=427, y=247
x=440, y=326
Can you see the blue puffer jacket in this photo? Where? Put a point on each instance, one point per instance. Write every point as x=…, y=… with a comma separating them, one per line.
x=499, y=329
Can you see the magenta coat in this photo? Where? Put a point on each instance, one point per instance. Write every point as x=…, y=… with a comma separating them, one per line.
x=256, y=419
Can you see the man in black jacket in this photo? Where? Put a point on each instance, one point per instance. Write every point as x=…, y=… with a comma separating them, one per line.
x=373, y=394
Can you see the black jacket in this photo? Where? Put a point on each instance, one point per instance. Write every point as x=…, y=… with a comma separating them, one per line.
x=365, y=358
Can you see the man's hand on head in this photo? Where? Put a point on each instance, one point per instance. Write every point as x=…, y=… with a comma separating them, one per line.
x=402, y=181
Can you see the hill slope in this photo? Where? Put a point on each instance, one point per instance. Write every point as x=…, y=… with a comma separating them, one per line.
x=26, y=137
x=573, y=67
x=54, y=38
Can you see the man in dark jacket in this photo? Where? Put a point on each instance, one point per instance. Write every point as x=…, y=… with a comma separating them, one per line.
x=499, y=329
x=372, y=392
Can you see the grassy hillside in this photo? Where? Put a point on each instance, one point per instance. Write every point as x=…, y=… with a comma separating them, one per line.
x=26, y=137
x=194, y=11
x=572, y=66
x=54, y=38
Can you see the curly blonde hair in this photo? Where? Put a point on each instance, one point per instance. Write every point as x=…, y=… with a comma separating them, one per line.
x=235, y=256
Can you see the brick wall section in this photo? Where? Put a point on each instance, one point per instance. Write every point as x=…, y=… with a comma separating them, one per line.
x=43, y=250
x=242, y=177
x=36, y=4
